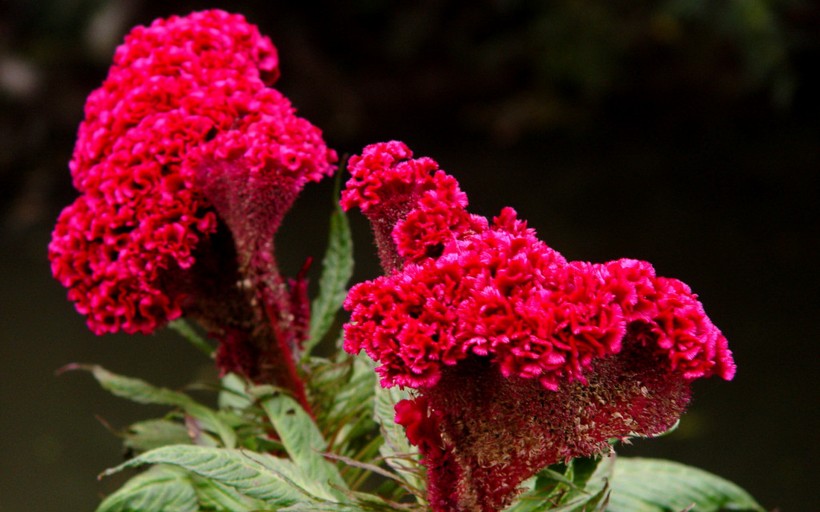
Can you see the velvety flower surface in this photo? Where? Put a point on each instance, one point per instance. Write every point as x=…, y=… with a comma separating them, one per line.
x=520, y=358
x=184, y=135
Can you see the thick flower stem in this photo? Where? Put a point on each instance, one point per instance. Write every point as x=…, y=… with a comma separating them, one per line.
x=281, y=368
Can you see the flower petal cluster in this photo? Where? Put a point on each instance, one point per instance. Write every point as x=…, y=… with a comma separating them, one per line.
x=499, y=334
x=472, y=288
x=387, y=184
x=183, y=96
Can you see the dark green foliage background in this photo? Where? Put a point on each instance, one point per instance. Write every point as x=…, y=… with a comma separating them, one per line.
x=682, y=132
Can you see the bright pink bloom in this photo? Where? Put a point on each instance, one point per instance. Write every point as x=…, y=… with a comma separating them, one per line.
x=386, y=184
x=185, y=98
x=520, y=358
x=203, y=65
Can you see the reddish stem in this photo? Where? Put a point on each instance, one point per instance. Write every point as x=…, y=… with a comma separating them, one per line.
x=282, y=364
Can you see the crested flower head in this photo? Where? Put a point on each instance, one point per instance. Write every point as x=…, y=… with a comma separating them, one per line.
x=184, y=135
x=519, y=357
x=387, y=184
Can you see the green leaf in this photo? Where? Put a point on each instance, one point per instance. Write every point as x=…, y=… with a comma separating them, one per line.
x=259, y=476
x=593, y=473
x=585, y=503
x=581, y=485
x=654, y=485
x=396, y=449
x=141, y=392
x=360, y=502
x=550, y=478
x=147, y=435
x=304, y=443
x=337, y=267
x=233, y=394
x=160, y=489
x=347, y=394
x=217, y=496
x=184, y=329
x=342, y=390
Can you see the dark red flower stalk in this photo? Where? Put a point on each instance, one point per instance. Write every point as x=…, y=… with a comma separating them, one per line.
x=186, y=163
x=519, y=358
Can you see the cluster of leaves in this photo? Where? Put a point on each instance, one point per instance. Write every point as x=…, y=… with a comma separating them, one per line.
x=259, y=450
x=621, y=484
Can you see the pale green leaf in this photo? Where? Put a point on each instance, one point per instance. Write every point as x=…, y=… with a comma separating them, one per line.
x=581, y=486
x=583, y=502
x=357, y=502
x=396, y=449
x=550, y=478
x=337, y=267
x=217, y=496
x=141, y=392
x=184, y=329
x=150, y=434
x=362, y=506
x=343, y=392
x=593, y=473
x=304, y=443
x=159, y=489
x=259, y=476
x=233, y=394
x=654, y=485
x=351, y=407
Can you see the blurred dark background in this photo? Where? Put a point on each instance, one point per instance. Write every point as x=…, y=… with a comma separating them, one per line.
x=683, y=132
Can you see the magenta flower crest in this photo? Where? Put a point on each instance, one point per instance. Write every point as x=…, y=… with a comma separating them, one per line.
x=387, y=184
x=519, y=358
x=186, y=163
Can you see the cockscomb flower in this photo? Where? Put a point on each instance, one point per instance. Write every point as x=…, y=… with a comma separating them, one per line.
x=386, y=184
x=186, y=162
x=519, y=358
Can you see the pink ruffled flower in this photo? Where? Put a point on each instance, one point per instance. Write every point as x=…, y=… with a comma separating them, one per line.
x=519, y=358
x=181, y=91
x=203, y=65
x=386, y=183
x=184, y=139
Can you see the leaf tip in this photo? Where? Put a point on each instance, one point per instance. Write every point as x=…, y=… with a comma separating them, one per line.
x=70, y=367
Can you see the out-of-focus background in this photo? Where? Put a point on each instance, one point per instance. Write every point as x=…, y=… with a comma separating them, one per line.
x=683, y=132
